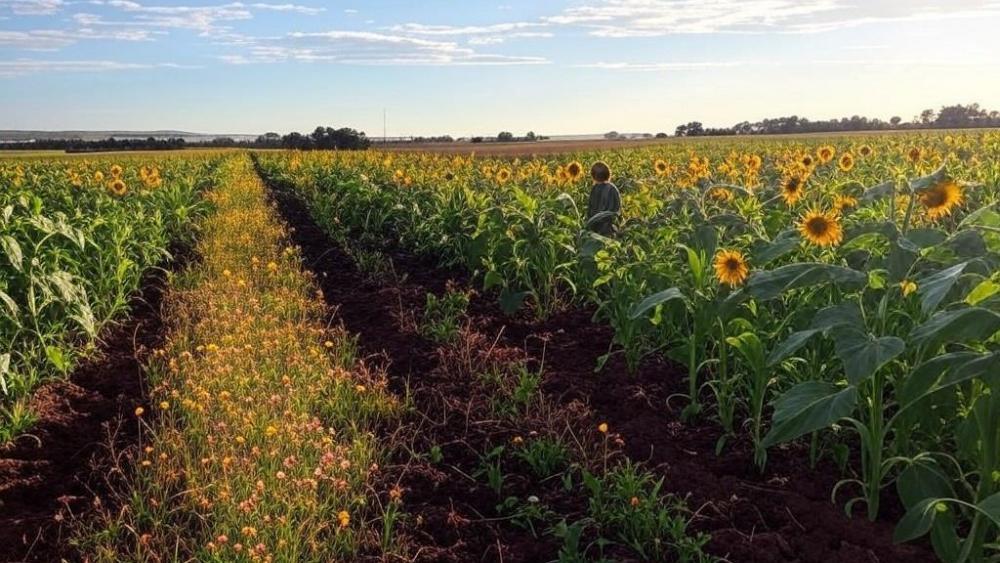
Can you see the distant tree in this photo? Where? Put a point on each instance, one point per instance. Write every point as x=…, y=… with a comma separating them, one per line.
x=927, y=117
x=611, y=135
x=477, y=140
x=896, y=120
x=505, y=137
x=530, y=136
x=661, y=135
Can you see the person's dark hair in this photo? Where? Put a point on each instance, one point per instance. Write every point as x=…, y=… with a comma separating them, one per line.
x=600, y=172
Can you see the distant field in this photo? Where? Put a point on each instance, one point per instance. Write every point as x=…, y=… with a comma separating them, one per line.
x=560, y=146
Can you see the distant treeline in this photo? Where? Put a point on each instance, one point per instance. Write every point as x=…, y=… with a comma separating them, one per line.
x=949, y=117
x=323, y=138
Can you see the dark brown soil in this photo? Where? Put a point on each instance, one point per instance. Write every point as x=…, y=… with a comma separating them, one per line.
x=784, y=515
x=57, y=475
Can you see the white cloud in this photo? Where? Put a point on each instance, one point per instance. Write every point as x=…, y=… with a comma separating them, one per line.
x=22, y=67
x=367, y=48
x=706, y=65
x=651, y=18
x=452, y=31
x=54, y=39
x=654, y=18
x=33, y=7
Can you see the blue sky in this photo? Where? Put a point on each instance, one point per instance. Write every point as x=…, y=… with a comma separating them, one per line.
x=474, y=67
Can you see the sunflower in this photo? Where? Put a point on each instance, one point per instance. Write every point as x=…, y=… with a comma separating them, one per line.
x=448, y=176
x=821, y=228
x=792, y=188
x=503, y=175
x=721, y=194
x=116, y=170
x=731, y=267
x=941, y=198
x=907, y=287
x=844, y=202
x=825, y=153
x=915, y=154
x=661, y=167
x=865, y=151
x=98, y=176
x=574, y=170
x=117, y=187
x=846, y=162
x=807, y=161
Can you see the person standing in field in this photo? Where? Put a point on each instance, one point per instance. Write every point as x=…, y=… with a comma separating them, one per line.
x=605, y=201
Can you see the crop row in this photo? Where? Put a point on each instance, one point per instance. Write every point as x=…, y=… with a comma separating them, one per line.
x=76, y=238
x=846, y=293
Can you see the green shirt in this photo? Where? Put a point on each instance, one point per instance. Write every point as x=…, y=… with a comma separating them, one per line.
x=604, y=196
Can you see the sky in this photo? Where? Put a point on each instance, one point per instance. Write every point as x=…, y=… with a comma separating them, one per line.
x=472, y=67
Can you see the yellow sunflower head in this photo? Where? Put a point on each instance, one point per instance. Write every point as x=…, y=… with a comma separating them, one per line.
x=807, y=161
x=865, y=151
x=821, y=228
x=116, y=170
x=731, y=267
x=915, y=154
x=661, y=167
x=844, y=202
x=117, y=187
x=846, y=162
x=574, y=170
x=503, y=175
x=825, y=153
x=721, y=194
x=941, y=198
x=98, y=176
x=792, y=188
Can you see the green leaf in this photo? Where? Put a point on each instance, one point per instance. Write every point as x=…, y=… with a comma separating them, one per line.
x=769, y=284
x=986, y=289
x=4, y=370
x=786, y=241
x=57, y=358
x=925, y=238
x=790, y=345
x=925, y=183
x=917, y=521
x=863, y=354
x=511, y=301
x=921, y=480
x=492, y=279
x=808, y=407
x=960, y=325
x=845, y=313
x=13, y=252
x=990, y=507
x=924, y=378
x=648, y=303
x=934, y=288
x=883, y=190
x=11, y=305
x=751, y=348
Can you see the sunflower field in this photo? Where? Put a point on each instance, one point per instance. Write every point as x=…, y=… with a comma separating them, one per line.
x=76, y=238
x=837, y=292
